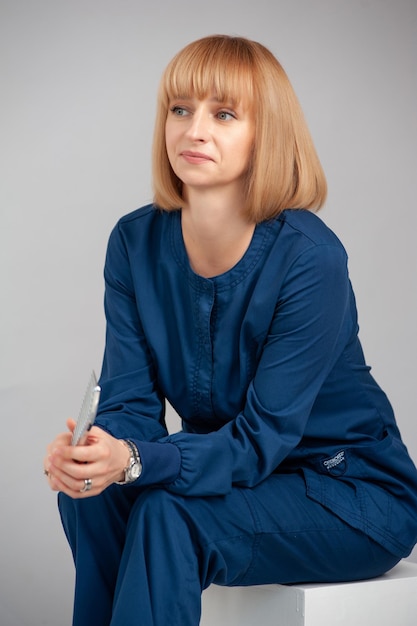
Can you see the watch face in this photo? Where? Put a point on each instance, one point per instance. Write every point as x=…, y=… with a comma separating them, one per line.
x=134, y=471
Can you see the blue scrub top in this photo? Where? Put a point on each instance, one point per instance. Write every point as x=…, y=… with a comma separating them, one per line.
x=264, y=366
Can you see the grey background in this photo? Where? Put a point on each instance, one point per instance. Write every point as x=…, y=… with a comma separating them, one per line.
x=78, y=88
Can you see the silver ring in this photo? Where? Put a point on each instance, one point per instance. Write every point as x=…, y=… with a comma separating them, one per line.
x=88, y=483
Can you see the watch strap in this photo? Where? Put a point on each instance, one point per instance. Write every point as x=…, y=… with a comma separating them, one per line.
x=134, y=462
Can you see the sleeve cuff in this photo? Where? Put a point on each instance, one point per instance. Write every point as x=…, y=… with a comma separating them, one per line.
x=161, y=462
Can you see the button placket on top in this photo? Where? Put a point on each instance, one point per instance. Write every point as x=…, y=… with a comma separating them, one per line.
x=204, y=299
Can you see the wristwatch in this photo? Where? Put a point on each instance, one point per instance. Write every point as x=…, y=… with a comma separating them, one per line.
x=134, y=469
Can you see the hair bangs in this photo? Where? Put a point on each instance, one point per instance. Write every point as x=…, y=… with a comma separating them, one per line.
x=201, y=70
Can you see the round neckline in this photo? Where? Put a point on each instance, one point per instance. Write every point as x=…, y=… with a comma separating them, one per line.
x=235, y=274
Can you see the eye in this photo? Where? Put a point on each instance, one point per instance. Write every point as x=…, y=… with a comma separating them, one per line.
x=225, y=116
x=179, y=111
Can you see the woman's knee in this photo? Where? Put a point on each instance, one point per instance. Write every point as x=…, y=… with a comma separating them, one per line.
x=159, y=507
x=163, y=521
x=96, y=517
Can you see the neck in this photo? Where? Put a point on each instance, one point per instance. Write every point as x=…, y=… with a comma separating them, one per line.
x=216, y=233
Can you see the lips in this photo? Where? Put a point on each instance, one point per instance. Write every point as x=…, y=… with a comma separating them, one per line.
x=195, y=157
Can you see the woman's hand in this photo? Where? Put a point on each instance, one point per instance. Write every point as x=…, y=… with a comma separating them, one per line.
x=71, y=468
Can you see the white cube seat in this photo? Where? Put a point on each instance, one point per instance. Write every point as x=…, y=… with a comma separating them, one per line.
x=390, y=600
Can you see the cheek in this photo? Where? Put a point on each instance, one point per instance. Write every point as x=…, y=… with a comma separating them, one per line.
x=170, y=142
x=245, y=151
x=169, y=131
x=173, y=135
x=247, y=140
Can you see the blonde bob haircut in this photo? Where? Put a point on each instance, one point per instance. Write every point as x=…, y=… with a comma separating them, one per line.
x=284, y=170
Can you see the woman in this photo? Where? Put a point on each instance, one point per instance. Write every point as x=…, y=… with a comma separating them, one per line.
x=229, y=298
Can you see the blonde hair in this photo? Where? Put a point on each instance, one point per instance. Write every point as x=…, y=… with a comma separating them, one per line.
x=284, y=171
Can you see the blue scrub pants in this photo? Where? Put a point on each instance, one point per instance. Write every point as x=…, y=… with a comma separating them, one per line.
x=143, y=557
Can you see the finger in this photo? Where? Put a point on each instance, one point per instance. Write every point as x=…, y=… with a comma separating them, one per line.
x=71, y=424
x=70, y=485
x=59, y=441
x=47, y=475
x=68, y=476
x=63, y=439
x=95, y=435
x=79, y=454
x=77, y=489
x=70, y=460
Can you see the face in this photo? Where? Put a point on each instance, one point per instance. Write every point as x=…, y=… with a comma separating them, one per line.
x=209, y=143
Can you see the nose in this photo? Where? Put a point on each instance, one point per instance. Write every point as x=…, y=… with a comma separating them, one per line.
x=199, y=127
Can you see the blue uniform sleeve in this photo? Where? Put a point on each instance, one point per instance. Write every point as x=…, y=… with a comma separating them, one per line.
x=130, y=404
x=313, y=320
